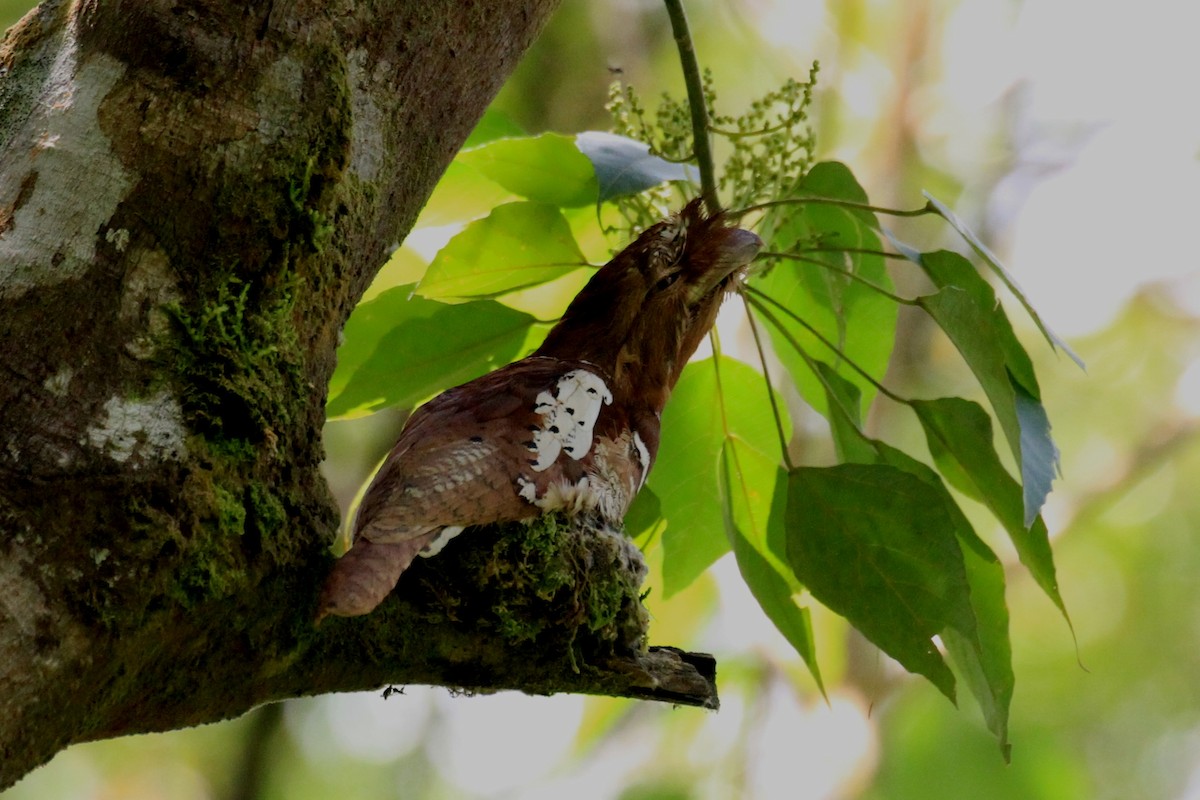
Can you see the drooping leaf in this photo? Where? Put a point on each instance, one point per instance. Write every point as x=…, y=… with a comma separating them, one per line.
x=625, y=166
x=545, y=169
x=990, y=350
x=876, y=545
x=971, y=330
x=685, y=475
x=946, y=268
x=398, y=350
x=754, y=494
x=959, y=434
x=982, y=654
x=857, y=320
x=1039, y=455
x=994, y=263
x=985, y=662
x=517, y=245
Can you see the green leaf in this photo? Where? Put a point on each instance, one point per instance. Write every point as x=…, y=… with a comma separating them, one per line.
x=644, y=517
x=1039, y=455
x=994, y=263
x=625, y=166
x=875, y=544
x=946, y=268
x=685, y=474
x=972, y=331
x=845, y=417
x=986, y=345
x=754, y=491
x=545, y=169
x=517, y=245
x=959, y=433
x=398, y=350
x=985, y=662
x=462, y=194
x=857, y=320
x=494, y=124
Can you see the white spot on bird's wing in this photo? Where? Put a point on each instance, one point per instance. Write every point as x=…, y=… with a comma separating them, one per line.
x=528, y=489
x=568, y=417
x=445, y=535
x=643, y=458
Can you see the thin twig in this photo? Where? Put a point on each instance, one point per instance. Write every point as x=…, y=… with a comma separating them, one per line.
x=895, y=298
x=767, y=315
x=695, y=91
x=762, y=359
x=833, y=201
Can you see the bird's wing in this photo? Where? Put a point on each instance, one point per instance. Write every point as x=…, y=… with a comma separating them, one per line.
x=460, y=455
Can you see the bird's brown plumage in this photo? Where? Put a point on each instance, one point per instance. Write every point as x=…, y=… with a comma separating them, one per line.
x=574, y=426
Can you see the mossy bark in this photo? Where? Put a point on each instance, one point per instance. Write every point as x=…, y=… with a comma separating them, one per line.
x=192, y=199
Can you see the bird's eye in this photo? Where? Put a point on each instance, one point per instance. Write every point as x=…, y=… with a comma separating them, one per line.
x=666, y=281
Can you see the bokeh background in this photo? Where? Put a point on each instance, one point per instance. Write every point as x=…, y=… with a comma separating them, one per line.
x=1067, y=132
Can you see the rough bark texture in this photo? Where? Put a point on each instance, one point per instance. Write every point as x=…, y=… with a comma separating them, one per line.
x=193, y=195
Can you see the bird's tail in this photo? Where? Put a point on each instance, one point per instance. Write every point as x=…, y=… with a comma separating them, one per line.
x=364, y=576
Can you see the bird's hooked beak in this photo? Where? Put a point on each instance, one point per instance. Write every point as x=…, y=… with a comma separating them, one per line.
x=735, y=248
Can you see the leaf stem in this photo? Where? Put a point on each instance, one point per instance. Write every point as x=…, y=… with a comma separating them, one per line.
x=928, y=208
x=695, y=91
x=895, y=298
x=762, y=359
x=770, y=317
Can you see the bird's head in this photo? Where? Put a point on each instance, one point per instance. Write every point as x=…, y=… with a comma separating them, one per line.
x=644, y=313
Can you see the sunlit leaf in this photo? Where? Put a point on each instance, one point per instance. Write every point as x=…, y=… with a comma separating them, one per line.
x=404, y=267
x=685, y=474
x=398, y=350
x=994, y=263
x=754, y=490
x=857, y=320
x=625, y=166
x=517, y=245
x=462, y=194
x=545, y=169
x=494, y=124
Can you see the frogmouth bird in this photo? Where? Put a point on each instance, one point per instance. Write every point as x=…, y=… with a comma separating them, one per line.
x=573, y=427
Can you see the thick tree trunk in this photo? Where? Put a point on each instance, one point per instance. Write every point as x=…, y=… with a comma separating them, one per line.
x=192, y=198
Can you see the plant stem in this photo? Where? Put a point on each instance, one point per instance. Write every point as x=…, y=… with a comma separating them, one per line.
x=757, y=301
x=928, y=208
x=762, y=359
x=895, y=298
x=695, y=90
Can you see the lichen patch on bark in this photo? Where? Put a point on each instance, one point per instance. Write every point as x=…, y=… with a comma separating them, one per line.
x=151, y=428
x=58, y=152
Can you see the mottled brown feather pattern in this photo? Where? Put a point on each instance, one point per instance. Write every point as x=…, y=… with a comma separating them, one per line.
x=489, y=451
